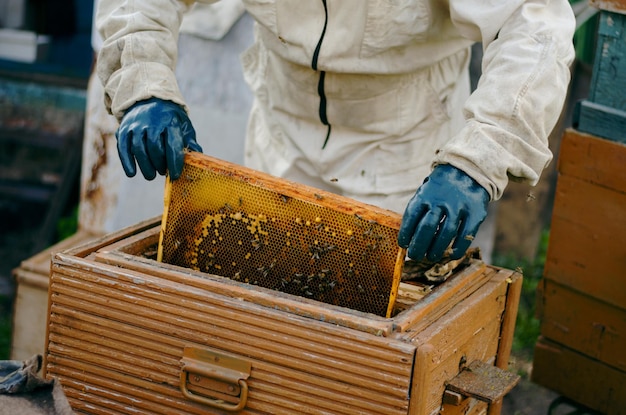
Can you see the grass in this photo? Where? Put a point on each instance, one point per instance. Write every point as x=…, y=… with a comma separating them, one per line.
x=527, y=326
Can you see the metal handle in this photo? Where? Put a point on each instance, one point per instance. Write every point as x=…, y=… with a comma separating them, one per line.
x=215, y=403
x=214, y=366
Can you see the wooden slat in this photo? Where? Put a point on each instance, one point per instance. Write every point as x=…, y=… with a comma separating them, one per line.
x=123, y=390
x=587, y=247
x=594, y=160
x=109, y=321
x=602, y=120
x=608, y=73
x=127, y=254
x=205, y=301
x=584, y=324
x=150, y=391
x=436, y=304
x=93, y=330
x=579, y=377
x=514, y=282
x=86, y=248
x=258, y=388
x=368, y=323
x=164, y=371
x=138, y=245
x=507, y=331
x=91, y=298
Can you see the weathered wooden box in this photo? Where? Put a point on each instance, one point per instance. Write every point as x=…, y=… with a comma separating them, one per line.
x=582, y=298
x=30, y=310
x=127, y=334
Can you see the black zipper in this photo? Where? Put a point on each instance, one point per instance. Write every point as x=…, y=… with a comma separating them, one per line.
x=320, y=83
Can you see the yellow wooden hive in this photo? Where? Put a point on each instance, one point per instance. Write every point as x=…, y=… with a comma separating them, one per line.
x=128, y=334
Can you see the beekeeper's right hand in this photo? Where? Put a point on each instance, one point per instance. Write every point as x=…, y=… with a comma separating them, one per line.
x=443, y=216
x=155, y=133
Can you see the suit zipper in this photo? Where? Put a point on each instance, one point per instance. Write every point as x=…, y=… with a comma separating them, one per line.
x=320, y=84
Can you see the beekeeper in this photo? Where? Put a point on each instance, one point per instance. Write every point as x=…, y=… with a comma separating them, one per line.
x=368, y=99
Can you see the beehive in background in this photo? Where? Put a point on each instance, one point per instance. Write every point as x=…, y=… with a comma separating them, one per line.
x=582, y=297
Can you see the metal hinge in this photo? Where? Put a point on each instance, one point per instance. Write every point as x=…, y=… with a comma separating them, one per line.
x=214, y=379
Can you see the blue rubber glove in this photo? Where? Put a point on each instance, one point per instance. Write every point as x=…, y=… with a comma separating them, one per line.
x=449, y=206
x=155, y=133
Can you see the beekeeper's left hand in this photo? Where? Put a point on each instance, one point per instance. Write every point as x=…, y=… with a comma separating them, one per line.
x=155, y=133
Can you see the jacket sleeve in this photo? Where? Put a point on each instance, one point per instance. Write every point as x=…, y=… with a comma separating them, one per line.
x=138, y=55
x=525, y=76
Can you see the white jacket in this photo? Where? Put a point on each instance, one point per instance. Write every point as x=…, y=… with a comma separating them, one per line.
x=389, y=77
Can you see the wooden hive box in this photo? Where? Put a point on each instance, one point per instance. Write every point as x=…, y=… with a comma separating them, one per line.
x=128, y=334
x=582, y=297
x=30, y=310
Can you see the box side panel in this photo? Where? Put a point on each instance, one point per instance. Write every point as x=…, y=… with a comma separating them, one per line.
x=30, y=312
x=583, y=295
x=587, y=248
x=91, y=245
x=593, y=159
x=345, y=317
x=460, y=285
x=469, y=332
x=579, y=377
x=29, y=315
x=584, y=324
x=507, y=329
x=116, y=340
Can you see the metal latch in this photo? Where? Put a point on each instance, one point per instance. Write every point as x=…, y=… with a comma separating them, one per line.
x=214, y=379
x=480, y=381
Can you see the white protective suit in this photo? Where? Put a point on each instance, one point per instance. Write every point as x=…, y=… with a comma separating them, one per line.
x=364, y=97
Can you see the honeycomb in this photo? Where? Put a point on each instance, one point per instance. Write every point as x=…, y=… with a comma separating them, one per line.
x=227, y=220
